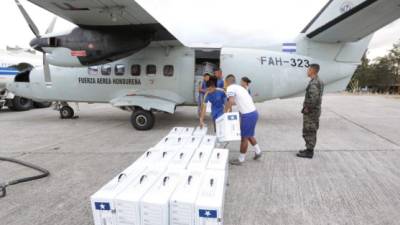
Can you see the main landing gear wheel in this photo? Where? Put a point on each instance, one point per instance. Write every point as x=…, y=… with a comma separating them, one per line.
x=142, y=120
x=66, y=112
x=21, y=104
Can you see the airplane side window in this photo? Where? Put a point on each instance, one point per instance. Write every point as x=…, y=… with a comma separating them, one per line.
x=106, y=70
x=93, y=70
x=119, y=69
x=169, y=70
x=151, y=69
x=135, y=70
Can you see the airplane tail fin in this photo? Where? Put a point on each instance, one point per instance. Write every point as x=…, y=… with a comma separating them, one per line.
x=349, y=24
x=349, y=21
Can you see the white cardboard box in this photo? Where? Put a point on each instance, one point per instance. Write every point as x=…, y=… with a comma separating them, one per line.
x=200, y=159
x=210, y=201
x=127, y=203
x=193, y=142
x=176, y=131
x=102, y=201
x=181, y=159
x=162, y=160
x=209, y=67
x=187, y=132
x=218, y=160
x=208, y=141
x=228, y=127
x=182, y=203
x=200, y=132
x=148, y=157
x=155, y=204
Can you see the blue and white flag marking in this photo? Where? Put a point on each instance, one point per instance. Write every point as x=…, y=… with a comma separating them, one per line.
x=203, y=213
x=102, y=206
x=289, y=47
x=232, y=117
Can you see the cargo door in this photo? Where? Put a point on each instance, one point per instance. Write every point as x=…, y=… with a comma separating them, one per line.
x=206, y=61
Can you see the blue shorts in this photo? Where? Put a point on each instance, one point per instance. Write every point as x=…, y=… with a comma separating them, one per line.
x=248, y=123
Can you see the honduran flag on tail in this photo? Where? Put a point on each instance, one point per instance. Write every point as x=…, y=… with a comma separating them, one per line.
x=289, y=47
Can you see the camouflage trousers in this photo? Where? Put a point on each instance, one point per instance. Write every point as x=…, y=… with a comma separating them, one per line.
x=310, y=128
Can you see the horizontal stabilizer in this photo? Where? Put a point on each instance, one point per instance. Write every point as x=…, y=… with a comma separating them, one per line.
x=354, y=22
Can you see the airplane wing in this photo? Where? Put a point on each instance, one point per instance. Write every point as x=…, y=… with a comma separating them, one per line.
x=161, y=100
x=96, y=14
x=355, y=22
x=145, y=102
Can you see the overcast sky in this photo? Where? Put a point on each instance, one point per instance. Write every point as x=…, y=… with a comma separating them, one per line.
x=246, y=23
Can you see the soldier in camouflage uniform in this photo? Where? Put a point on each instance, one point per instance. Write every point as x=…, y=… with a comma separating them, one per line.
x=311, y=111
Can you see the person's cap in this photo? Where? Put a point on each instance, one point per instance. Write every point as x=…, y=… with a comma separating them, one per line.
x=246, y=79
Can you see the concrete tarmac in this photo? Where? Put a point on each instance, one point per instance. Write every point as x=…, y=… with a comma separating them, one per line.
x=354, y=177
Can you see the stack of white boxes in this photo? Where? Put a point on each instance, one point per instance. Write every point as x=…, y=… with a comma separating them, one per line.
x=103, y=201
x=181, y=180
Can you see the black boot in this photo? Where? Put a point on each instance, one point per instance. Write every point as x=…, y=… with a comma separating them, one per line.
x=303, y=151
x=309, y=153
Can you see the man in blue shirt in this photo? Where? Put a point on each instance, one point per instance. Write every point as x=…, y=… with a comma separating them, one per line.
x=216, y=97
x=220, y=80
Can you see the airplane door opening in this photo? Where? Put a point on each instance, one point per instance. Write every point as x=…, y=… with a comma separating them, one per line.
x=206, y=61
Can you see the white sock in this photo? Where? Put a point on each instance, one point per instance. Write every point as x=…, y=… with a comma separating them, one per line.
x=257, y=149
x=242, y=157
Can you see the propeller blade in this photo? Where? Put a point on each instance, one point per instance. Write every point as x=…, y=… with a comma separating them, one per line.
x=46, y=70
x=52, y=25
x=28, y=19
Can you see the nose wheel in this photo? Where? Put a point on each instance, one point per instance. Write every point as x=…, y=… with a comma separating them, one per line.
x=66, y=112
x=142, y=119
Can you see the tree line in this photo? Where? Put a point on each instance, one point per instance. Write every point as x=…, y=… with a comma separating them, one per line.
x=380, y=75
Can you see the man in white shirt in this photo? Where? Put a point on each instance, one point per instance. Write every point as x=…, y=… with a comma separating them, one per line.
x=248, y=117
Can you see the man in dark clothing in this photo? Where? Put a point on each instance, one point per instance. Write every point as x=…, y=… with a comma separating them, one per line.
x=311, y=111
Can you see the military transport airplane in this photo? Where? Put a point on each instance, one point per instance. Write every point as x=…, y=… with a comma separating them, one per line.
x=120, y=54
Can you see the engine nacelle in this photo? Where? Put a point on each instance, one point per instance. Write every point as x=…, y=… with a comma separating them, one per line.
x=62, y=57
x=86, y=47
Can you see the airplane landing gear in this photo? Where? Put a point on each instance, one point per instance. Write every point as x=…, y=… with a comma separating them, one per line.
x=66, y=112
x=21, y=104
x=142, y=119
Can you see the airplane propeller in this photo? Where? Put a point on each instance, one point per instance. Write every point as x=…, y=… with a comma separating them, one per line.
x=35, y=31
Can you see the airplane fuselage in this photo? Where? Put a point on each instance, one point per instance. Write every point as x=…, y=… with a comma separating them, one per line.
x=148, y=73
